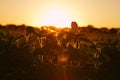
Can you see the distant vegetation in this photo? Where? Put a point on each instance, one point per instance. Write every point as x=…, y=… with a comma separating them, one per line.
x=26, y=51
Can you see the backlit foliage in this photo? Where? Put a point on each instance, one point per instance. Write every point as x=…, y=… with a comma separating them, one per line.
x=25, y=48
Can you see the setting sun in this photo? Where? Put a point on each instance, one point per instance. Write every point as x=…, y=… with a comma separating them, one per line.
x=60, y=13
x=59, y=39
x=58, y=18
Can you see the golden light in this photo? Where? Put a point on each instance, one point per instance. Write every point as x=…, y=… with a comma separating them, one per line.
x=58, y=18
x=63, y=59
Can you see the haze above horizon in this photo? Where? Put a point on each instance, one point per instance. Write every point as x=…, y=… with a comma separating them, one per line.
x=99, y=13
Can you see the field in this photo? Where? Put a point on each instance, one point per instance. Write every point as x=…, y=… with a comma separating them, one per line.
x=50, y=53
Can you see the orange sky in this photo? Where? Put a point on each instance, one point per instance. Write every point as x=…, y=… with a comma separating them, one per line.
x=100, y=13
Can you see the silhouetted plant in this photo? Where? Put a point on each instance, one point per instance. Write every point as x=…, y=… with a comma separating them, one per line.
x=74, y=26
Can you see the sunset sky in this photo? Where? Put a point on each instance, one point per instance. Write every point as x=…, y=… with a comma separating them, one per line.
x=99, y=13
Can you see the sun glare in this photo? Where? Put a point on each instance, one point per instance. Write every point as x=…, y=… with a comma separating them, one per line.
x=56, y=18
x=63, y=59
